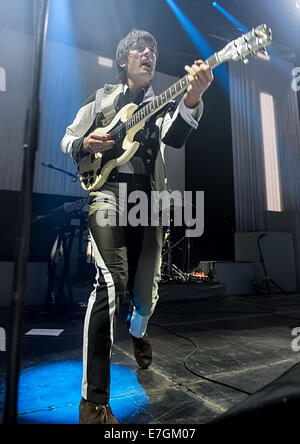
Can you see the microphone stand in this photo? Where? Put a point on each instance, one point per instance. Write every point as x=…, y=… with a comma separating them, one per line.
x=30, y=147
x=49, y=165
x=267, y=281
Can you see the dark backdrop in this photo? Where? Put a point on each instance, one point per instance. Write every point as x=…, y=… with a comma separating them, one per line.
x=209, y=167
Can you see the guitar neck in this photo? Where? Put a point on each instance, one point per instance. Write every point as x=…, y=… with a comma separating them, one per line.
x=169, y=94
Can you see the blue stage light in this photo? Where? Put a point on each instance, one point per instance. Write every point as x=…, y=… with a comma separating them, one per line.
x=50, y=393
x=199, y=41
x=244, y=29
x=60, y=26
x=191, y=30
x=63, y=86
x=231, y=18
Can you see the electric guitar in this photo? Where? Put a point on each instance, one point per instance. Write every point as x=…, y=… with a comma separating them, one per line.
x=131, y=118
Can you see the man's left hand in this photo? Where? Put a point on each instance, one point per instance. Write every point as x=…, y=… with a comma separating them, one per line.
x=200, y=78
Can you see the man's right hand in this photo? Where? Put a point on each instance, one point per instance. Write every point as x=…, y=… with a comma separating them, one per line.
x=95, y=143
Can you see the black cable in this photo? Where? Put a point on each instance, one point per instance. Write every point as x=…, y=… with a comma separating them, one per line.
x=191, y=370
x=272, y=312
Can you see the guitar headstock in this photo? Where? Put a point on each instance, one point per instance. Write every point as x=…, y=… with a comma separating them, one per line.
x=247, y=44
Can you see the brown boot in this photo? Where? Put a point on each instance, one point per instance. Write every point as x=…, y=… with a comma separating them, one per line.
x=142, y=350
x=90, y=413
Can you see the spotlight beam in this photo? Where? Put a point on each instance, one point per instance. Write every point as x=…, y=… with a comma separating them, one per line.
x=197, y=38
x=239, y=26
x=199, y=41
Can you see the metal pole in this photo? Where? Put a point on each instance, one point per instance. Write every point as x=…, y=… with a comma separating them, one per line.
x=24, y=219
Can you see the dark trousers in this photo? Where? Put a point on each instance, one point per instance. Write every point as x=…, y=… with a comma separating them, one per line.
x=126, y=257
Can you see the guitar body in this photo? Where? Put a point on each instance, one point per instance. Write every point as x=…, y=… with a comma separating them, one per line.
x=92, y=174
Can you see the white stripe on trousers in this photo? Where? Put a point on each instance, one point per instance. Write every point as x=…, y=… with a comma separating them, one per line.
x=100, y=265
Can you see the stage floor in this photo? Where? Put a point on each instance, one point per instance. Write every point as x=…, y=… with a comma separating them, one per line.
x=232, y=347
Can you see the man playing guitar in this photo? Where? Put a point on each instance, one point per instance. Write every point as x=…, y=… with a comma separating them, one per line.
x=127, y=257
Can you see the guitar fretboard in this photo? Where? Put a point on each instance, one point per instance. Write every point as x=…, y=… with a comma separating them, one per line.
x=169, y=94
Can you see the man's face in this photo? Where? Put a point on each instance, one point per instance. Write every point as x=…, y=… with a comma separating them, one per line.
x=141, y=63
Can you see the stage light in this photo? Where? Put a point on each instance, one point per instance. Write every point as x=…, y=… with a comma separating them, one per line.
x=62, y=65
x=298, y=4
x=104, y=61
x=50, y=393
x=199, y=41
x=271, y=54
x=196, y=37
x=270, y=147
x=230, y=17
x=60, y=22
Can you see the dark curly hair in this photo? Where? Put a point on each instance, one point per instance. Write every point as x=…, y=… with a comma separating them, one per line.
x=127, y=43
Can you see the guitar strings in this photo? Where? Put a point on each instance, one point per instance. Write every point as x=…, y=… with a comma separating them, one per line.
x=120, y=127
